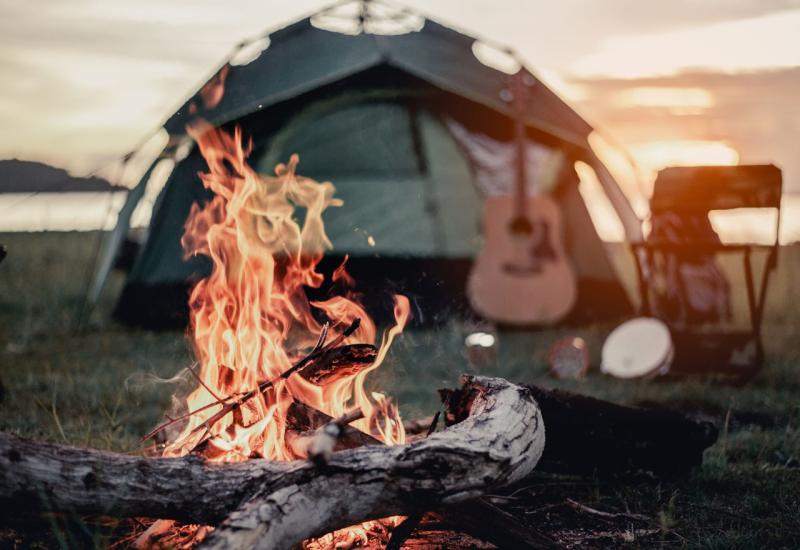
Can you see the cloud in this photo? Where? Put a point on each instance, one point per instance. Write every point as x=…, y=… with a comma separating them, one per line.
x=743, y=45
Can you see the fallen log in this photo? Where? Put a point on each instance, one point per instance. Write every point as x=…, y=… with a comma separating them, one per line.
x=478, y=518
x=589, y=436
x=49, y=477
x=270, y=504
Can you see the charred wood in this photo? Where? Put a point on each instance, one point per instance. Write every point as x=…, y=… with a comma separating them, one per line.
x=339, y=361
x=333, y=435
x=232, y=403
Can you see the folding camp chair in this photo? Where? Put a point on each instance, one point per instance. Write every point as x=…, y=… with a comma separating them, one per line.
x=682, y=199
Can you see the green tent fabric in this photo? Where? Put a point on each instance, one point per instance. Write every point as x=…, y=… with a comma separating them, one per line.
x=301, y=58
x=370, y=113
x=400, y=160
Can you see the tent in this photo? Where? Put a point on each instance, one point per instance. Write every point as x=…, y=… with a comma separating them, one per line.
x=413, y=130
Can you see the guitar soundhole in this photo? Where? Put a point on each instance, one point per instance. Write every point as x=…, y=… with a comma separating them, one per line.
x=520, y=227
x=536, y=248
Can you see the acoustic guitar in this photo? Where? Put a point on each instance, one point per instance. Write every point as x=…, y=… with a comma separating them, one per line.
x=522, y=276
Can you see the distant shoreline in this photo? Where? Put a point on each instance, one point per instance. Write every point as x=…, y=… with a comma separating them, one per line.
x=19, y=177
x=95, y=210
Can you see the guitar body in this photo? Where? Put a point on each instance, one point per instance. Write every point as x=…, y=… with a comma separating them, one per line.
x=522, y=278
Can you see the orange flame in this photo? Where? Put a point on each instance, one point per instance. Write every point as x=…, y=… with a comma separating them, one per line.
x=250, y=319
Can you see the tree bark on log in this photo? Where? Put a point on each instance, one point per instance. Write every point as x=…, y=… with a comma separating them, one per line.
x=271, y=504
x=52, y=477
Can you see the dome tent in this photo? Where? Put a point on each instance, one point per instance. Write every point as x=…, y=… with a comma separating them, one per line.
x=403, y=125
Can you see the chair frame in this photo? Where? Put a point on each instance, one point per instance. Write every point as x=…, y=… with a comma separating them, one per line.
x=709, y=352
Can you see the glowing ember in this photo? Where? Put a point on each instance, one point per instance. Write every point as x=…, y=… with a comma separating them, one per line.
x=251, y=320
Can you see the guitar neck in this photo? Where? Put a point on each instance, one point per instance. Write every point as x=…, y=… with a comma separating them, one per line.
x=521, y=172
x=520, y=140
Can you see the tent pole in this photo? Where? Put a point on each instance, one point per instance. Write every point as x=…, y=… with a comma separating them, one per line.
x=85, y=309
x=105, y=254
x=630, y=221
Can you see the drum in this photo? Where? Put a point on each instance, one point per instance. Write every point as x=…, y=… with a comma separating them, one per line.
x=638, y=348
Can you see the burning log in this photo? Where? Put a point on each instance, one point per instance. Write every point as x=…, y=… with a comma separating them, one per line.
x=499, y=442
x=341, y=361
x=268, y=504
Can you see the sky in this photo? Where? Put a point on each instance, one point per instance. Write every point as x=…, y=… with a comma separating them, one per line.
x=684, y=81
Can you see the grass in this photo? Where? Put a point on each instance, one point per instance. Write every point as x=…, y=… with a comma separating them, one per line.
x=107, y=385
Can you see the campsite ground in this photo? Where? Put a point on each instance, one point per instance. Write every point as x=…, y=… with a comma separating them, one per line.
x=107, y=385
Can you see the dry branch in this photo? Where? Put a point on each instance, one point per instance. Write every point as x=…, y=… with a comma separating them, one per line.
x=310, y=363
x=268, y=504
x=489, y=523
x=319, y=365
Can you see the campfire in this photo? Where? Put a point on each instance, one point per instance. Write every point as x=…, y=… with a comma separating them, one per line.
x=279, y=377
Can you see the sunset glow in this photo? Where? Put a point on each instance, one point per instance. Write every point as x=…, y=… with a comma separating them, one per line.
x=655, y=155
x=677, y=100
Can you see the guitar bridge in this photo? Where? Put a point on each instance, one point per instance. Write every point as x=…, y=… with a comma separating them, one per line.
x=522, y=270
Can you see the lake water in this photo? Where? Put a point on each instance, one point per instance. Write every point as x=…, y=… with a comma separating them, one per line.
x=91, y=211
x=60, y=211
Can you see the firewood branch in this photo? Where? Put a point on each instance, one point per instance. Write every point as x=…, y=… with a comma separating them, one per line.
x=270, y=504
